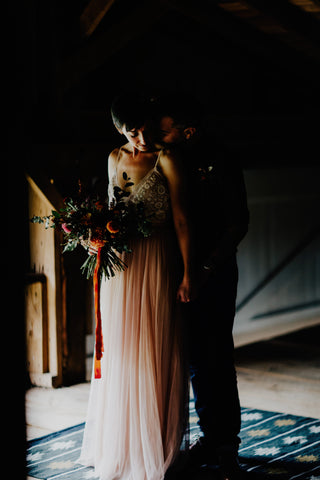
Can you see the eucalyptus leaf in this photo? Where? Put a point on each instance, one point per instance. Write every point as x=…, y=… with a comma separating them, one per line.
x=70, y=246
x=36, y=219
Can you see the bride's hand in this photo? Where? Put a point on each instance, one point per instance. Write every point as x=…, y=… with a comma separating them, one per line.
x=184, y=293
x=87, y=244
x=92, y=250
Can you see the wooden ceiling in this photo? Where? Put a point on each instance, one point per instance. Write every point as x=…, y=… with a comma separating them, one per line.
x=253, y=63
x=282, y=30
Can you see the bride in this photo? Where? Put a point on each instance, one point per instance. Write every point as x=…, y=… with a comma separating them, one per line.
x=137, y=410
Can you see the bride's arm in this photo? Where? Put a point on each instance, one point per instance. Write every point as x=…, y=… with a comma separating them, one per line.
x=171, y=167
x=112, y=160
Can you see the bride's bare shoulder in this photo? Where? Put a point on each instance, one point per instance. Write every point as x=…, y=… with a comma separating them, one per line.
x=115, y=154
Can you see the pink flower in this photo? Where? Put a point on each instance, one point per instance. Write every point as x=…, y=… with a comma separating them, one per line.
x=65, y=228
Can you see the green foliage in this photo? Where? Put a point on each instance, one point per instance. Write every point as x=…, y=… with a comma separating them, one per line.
x=86, y=220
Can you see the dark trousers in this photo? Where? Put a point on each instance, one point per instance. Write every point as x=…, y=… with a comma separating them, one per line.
x=210, y=321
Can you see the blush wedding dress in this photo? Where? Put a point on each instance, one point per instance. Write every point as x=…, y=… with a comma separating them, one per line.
x=137, y=411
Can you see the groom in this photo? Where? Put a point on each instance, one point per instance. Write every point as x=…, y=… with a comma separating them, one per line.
x=219, y=217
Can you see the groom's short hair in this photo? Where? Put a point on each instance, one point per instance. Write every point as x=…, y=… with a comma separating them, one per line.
x=184, y=109
x=131, y=110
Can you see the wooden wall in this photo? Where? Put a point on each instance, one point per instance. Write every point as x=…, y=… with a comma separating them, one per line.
x=56, y=298
x=45, y=296
x=279, y=259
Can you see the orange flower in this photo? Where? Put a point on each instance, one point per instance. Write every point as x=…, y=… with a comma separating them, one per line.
x=112, y=227
x=97, y=239
x=96, y=243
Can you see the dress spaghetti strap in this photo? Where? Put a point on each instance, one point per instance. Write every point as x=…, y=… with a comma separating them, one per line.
x=158, y=158
x=118, y=156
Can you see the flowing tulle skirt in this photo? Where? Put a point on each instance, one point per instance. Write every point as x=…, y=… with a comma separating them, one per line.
x=136, y=413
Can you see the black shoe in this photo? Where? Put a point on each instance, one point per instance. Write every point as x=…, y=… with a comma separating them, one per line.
x=229, y=467
x=201, y=453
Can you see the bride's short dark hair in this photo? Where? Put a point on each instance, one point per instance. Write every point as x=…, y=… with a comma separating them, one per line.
x=131, y=110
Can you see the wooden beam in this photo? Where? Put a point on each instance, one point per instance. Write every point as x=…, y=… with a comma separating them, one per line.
x=310, y=6
x=271, y=26
x=93, y=14
x=95, y=53
x=229, y=19
x=253, y=16
x=250, y=14
x=212, y=17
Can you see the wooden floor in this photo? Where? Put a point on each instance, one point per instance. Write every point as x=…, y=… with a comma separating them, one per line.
x=282, y=374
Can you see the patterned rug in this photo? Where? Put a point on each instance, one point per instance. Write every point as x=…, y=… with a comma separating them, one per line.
x=277, y=445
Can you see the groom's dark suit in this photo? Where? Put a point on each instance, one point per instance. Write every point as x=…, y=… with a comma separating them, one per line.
x=219, y=219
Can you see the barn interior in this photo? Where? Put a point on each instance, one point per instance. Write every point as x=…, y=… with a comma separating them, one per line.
x=254, y=64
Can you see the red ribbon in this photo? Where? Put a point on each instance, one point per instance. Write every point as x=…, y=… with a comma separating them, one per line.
x=99, y=338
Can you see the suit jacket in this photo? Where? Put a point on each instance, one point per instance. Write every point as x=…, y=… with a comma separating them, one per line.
x=217, y=200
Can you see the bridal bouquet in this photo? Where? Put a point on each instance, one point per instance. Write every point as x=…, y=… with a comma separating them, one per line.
x=85, y=221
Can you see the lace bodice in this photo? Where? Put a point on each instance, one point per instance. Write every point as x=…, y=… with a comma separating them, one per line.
x=152, y=190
